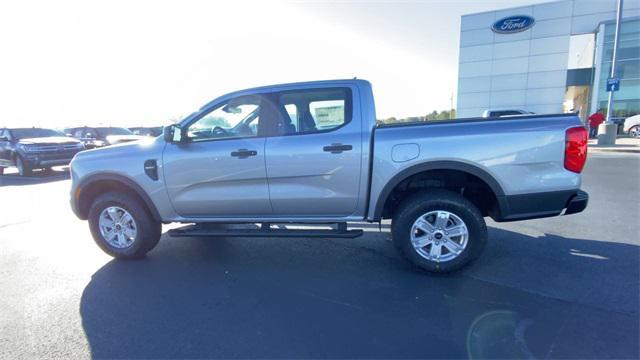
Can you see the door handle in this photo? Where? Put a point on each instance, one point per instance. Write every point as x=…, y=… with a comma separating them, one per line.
x=337, y=148
x=243, y=153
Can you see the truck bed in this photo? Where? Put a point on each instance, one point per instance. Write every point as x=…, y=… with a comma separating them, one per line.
x=521, y=156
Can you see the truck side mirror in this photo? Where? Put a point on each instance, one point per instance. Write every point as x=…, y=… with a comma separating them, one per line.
x=172, y=133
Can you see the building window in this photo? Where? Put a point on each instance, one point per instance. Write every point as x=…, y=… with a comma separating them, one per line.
x=626, y=101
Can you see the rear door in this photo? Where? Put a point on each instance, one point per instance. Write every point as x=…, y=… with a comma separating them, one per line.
x=220, y=170
x=314, y=161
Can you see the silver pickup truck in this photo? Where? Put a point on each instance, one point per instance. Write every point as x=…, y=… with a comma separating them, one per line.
x=311, y=153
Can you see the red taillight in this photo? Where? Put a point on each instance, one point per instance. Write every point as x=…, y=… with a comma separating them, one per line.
x=575, y=150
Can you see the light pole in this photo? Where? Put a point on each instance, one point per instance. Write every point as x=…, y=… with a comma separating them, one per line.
x=607, y=131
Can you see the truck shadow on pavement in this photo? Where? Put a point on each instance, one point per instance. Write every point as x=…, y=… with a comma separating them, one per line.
x=526, y=297
x=38, y=177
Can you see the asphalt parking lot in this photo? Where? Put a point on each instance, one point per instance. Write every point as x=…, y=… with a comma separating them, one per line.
x=547, y=288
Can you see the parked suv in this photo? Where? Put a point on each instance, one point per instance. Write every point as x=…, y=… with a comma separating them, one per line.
x=94, y=137
x=147, y=131
x=494, y=113
x=35, y=148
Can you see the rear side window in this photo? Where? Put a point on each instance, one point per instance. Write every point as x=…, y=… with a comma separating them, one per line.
x=312, y=111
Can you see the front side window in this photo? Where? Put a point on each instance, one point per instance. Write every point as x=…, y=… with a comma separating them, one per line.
x=236, y=118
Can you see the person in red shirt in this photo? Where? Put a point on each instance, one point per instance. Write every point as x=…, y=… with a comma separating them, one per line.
x=594, y=121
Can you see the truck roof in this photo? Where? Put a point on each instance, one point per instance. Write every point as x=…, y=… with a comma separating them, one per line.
x=302, y=84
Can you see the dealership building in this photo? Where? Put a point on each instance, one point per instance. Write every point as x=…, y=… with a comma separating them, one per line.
x=549, y=58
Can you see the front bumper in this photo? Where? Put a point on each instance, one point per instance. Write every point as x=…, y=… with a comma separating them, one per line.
x=47, y=160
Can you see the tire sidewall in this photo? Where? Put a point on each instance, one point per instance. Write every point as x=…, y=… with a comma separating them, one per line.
x=445, y=201
x=23, y=170
x=147, y=234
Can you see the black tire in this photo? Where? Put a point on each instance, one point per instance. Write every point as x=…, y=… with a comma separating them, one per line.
x=634, y=131
x=1, y=171
x=416, y=206
x=148, y=229
x=23, y=169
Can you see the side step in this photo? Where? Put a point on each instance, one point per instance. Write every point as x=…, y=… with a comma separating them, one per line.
x=265, y=231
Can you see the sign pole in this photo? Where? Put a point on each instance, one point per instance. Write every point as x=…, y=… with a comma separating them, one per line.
x=613, y=60
x=607, y=132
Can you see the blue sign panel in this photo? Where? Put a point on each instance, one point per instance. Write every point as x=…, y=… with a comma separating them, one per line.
x=613, y=84
x=513, y=24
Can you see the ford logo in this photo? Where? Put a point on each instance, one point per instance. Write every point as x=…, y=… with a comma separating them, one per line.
x=513, y=24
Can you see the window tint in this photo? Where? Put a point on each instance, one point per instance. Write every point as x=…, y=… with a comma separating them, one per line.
x=236, y=118
x=312, y=111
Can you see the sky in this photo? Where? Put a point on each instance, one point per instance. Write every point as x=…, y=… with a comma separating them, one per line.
x=150, y=62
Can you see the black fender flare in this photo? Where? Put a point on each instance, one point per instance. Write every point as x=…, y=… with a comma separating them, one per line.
x=127, y=182
x=438, y=165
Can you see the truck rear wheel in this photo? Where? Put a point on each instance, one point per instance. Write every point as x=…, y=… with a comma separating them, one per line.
x=122, y=227
x=439, y=231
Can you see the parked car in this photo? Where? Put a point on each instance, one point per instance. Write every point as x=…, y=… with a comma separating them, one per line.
x=147, y=131
x=95, y=137
x=632, y=125
x=35, y=148
x=492, y=113
x=312, y=153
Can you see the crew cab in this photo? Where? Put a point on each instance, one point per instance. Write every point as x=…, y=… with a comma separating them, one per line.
x=311, y=153
x=35, y=148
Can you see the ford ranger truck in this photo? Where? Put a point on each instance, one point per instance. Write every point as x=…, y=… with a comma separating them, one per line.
x=311, y=153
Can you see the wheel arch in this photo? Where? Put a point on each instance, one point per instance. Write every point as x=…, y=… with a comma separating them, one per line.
x=443, y=166
x=95, y=185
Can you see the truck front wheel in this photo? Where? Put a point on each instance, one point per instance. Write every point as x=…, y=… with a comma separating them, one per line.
x=122, y=227
x=439, y=231
x=23, y=168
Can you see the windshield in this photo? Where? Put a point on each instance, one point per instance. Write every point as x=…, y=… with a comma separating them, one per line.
x=106, y=131
x=34, y=133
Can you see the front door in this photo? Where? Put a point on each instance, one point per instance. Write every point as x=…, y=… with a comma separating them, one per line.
x=219, y=171
x=314, y=163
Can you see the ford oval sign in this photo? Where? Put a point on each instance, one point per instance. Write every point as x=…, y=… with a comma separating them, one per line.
x=513, y=24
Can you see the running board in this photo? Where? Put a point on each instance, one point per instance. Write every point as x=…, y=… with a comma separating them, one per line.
x=196, y=231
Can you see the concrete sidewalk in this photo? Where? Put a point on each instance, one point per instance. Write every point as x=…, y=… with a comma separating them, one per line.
x=623, y=144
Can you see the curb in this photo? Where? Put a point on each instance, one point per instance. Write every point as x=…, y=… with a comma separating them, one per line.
x=628, y=151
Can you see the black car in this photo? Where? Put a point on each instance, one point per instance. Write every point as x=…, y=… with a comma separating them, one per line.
x=35, y=148
x=147, y=131
x=94, y=137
